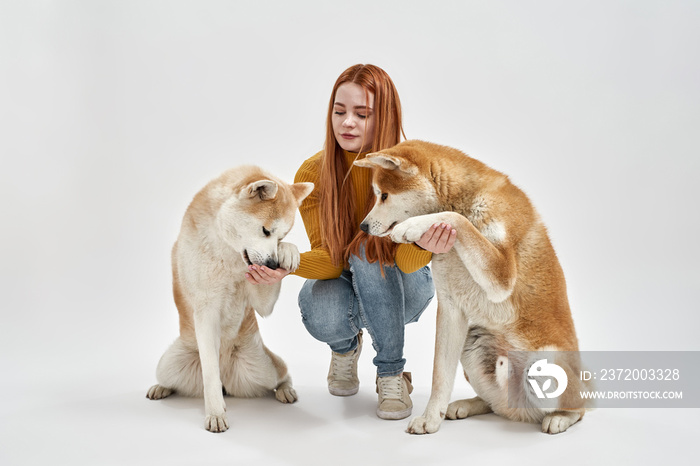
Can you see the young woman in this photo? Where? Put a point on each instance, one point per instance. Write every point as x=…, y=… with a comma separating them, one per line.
x=356, y=281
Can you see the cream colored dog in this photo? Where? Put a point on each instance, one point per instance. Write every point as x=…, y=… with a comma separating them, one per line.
x=500, y=289
x=236, y=220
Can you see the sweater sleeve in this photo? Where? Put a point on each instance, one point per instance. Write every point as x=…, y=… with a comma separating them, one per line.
x=410, y=258
x=316, y=263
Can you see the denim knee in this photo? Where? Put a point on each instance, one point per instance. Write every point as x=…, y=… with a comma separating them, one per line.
x=328, y=318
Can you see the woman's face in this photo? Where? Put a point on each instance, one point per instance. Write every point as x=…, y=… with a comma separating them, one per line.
x=353, y=123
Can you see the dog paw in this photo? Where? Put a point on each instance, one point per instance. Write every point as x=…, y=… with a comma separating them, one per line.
x=216, y=423
x=288, y=256
x=158, y=392
x=410, y=230
x=215, y=409
x=423, y=425
x=285, y=393
x=462, y=409
x=556, y=423
x=458, y=410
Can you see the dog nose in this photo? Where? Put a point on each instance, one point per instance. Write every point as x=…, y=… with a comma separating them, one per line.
x=272, y=264
x=364, y=227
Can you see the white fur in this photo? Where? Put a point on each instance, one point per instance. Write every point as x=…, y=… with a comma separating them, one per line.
x=411, y=229
x=495, y=232
x=222, y=229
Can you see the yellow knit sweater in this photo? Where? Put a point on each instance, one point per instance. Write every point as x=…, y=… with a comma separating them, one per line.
x=317, y=264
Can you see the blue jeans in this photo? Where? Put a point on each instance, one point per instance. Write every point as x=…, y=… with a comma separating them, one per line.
x=335, y=310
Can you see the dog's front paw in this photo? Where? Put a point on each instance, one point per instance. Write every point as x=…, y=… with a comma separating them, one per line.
x=285, y=393
x=288, y=256
x=216, y=423
x=409, y=231
x=423, y=425
x=215, y=409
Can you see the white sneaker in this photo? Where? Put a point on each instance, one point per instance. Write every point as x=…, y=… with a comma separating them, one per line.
x=342, y=374
x=394, y=402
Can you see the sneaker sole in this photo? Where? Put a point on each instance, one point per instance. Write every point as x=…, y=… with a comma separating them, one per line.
x=394, y=415
x=342, y=392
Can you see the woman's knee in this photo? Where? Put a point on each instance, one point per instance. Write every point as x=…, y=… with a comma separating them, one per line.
x=327, y=318
x=328, y=327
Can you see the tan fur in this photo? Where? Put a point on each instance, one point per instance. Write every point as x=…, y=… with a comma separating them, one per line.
x=237, y=219
x=499, y=289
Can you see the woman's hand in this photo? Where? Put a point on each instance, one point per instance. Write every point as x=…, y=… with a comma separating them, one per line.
x=438, y=239
x=261, y=275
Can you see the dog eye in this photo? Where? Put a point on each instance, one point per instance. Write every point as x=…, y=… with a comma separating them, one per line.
x=384, y=196
x=266, y=232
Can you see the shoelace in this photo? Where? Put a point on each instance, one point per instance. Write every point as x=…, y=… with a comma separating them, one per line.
x=341, y=367
x=391, y=387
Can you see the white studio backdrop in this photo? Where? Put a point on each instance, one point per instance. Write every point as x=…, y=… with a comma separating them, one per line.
x=113, y=114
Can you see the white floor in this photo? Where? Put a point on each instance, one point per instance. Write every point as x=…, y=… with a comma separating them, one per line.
x=103, y=427
x=79, y=399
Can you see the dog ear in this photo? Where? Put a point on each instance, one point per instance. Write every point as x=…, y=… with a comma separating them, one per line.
x=264, y=189
x=387, y=162
x=301, y=190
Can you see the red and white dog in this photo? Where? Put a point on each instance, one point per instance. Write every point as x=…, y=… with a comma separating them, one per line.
x=500, y=289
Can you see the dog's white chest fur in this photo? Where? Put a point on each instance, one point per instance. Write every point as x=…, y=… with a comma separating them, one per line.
x=455, y=284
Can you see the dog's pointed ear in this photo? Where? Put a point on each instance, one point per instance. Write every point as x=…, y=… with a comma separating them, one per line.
x=301, y=190
x=264, y=189
x=379, y=160
x=387, y=162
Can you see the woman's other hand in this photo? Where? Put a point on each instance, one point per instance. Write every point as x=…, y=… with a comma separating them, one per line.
x=261, y=275
x=438, y=239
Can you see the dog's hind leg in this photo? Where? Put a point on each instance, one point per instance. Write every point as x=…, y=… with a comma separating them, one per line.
x=251, y=370
x=559, y=421
x=179, y=371
x=462, y=409
x=571, y=407
x=158, y=392
x=284, y=392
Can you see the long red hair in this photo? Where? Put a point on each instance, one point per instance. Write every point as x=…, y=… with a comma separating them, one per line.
x=337, y=198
